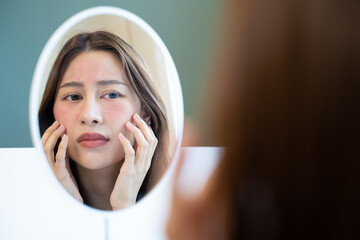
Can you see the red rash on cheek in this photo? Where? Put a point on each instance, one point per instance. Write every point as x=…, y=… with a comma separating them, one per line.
x=118, y=112
x=63, y=114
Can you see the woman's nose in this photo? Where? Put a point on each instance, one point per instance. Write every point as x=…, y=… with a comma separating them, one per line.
x=90, y=113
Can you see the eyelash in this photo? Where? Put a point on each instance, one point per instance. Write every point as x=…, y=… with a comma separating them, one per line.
x=71, y=96
x=118, y=95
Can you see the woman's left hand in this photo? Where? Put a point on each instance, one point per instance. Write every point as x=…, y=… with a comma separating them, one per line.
x=136, y=165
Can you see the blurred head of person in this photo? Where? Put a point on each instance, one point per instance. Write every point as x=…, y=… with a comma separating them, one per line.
x=285, y=102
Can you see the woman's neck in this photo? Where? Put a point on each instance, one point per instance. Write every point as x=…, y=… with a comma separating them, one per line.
x=95, y=186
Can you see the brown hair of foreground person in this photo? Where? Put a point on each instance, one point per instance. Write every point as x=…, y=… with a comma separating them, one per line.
x=285, y=101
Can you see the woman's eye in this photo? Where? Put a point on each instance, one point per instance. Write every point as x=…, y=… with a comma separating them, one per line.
x=73, y=97
x=112, y=95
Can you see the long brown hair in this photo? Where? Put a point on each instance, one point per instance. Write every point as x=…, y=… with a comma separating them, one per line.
x=285, y=101
x=140, y=82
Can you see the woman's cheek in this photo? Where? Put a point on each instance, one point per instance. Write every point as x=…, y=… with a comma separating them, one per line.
x=62, y=115
x=118, y=116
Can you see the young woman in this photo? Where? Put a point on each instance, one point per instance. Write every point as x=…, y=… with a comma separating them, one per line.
x=286, y=103
x=103, y=124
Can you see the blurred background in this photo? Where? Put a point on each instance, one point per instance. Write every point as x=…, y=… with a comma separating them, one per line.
x=187, y=28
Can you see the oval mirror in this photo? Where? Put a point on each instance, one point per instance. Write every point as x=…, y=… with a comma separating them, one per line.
x=90, y=107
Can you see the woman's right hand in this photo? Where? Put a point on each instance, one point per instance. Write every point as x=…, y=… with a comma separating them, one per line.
x=60, y=162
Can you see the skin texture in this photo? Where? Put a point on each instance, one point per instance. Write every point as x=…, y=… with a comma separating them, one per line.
x=95, y=97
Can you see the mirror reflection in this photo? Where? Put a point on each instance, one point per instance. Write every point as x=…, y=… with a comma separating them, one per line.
x=100, y=101
x=107, y=116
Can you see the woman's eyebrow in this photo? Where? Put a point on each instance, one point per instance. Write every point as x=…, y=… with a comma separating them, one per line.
x=99, y=83
x=72, y=84
x=109, y=82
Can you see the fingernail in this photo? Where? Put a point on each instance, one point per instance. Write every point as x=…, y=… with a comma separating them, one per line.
x=121, y=135
x=129, y=124
x=137, y=116
x=54, y=124
x=61, y=127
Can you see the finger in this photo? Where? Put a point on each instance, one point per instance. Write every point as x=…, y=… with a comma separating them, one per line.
x=145, y=129
x=61, y=153
x=48, y=132
x=150, y=137
x=50, y=144
x=67, y=163
x=128, y=149
x=144, y=151
x=143, y=145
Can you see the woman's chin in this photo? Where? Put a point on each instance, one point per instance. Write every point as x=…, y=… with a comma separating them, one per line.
x=96, y=163
x=95, y=166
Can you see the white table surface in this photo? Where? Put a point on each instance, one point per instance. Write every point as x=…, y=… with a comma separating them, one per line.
x=34, y=206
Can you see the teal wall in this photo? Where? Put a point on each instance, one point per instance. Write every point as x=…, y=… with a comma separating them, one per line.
x=185, y=26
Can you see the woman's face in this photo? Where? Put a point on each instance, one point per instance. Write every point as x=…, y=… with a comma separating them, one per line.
x=94, y=101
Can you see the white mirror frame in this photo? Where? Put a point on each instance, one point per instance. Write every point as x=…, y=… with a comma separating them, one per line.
x=175, y=100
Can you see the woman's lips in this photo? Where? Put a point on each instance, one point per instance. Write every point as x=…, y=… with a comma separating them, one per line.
x=92, y=140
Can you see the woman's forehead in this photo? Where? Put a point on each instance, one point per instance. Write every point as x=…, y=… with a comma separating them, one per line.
x=95, y=67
